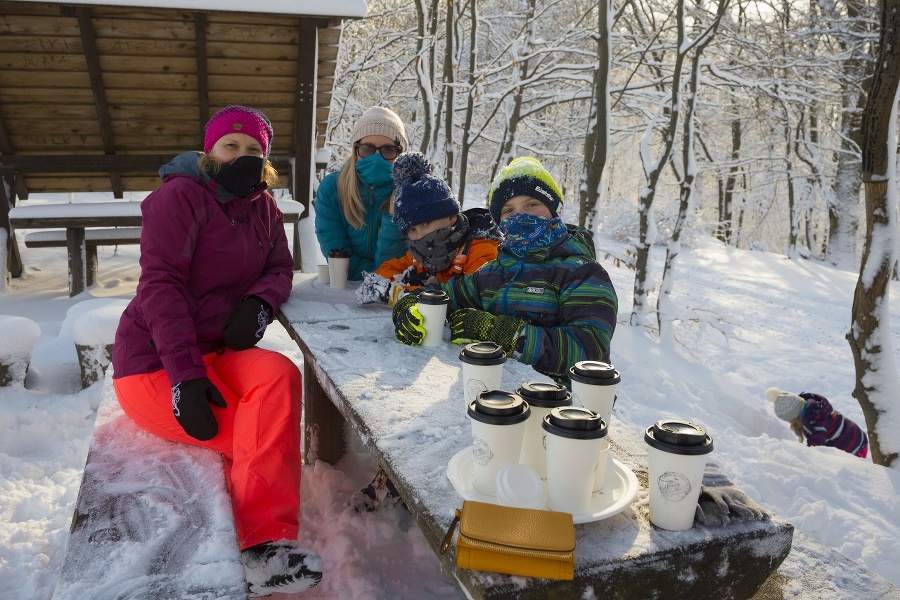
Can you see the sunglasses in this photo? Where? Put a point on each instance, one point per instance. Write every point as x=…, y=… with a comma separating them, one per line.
x=387, y=152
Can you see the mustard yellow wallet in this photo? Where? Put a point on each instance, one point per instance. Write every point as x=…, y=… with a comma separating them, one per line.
x=515, y=541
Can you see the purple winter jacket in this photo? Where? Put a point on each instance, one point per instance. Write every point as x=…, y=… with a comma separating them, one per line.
x=203, y=250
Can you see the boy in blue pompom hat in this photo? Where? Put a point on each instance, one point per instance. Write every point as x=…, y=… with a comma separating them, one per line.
x=443, y=241
x=812, y=415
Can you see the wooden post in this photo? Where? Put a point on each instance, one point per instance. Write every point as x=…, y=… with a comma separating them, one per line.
x=76, y=249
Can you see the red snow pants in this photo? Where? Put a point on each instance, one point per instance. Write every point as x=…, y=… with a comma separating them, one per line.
x=259, y=434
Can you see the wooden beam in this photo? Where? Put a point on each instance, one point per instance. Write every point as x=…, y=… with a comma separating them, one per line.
x=93, y=163
x=305, y=111
x=89, y=43
x=202, y=71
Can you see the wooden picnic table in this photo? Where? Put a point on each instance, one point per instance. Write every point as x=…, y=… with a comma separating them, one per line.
x=76, y=217
x=406, y=404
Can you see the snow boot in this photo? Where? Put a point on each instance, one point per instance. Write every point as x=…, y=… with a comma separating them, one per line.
x=370, y=497
x=281, y=567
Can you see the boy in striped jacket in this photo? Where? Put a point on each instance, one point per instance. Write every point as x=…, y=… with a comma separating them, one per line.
x=545, y=299
x=812, y=415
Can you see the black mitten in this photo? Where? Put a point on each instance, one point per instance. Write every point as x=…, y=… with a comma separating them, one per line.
x=246, y=324
x=190, y=403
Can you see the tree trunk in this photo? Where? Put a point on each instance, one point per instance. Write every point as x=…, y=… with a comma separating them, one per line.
x=449, y=83
x=653, y=170
x=664, y=314
x=596, y=140
x=869, y=336
x=473, y=92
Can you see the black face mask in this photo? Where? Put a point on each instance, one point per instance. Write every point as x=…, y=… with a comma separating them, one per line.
x=243, y=176
x=436, y=250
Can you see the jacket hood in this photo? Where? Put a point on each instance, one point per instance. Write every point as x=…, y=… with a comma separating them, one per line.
x=183, y=164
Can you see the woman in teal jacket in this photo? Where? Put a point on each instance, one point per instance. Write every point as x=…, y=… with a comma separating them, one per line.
x=353, y=205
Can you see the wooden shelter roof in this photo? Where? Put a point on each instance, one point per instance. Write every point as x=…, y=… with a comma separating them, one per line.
x=95, y=97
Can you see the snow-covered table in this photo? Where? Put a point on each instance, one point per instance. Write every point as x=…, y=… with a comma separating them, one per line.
x=406, y=403
x=74, y=218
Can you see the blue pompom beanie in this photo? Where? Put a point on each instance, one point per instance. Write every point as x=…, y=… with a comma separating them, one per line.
x=420, y=196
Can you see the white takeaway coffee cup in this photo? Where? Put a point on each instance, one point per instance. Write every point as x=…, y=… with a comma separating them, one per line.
x=498, y=425
x=482, y=369
x=432, y=305
x=575, y=438
x=324, y=275
x=542, y=397
x=594, y=386
x=676, y=453
x=338, y=263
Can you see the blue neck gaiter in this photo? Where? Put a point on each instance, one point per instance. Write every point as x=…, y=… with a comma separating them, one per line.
x=523, y=232
x=374, y=170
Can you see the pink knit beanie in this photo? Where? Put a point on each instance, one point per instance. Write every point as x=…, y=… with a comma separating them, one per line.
x=238, y=119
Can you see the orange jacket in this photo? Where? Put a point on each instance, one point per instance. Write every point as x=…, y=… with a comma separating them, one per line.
x=469, y=259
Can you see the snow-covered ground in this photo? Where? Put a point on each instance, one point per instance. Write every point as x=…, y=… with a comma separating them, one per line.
x=763, y=320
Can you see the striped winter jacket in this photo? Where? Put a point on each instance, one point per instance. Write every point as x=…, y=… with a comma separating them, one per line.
x=561, y=291
x=824, y=426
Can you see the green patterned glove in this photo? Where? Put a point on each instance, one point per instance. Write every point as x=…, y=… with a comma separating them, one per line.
x=408, y=321
x=473, y=325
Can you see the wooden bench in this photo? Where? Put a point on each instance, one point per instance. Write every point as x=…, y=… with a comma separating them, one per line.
x=152, y=520
x=56, y=238
x=82, y=227
x=406, y=405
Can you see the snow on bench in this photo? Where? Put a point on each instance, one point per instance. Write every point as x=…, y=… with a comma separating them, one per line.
x=153, y=518
x=56, y=238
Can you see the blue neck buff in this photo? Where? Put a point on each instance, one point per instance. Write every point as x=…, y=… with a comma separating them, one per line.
x=374, y=170
x=523, y=232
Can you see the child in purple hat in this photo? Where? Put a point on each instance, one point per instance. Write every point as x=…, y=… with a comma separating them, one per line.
x=812, y=415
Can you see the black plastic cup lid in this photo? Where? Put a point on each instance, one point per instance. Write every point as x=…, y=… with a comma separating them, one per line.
x=498, y=407
x=482, y=353
x=575, y=422
x=545, y=394
x=339, y=254
x=433, y=297
x=679, y=437
x=594, y=372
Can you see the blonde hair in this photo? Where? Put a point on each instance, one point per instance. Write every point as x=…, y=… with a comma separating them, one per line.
x=207, y=164
x=348, y=194
x=797, y=427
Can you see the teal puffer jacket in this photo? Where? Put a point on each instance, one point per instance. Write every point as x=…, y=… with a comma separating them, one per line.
x=376, y=241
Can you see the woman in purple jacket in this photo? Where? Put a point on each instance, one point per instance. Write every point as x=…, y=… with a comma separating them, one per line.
x=215, y=265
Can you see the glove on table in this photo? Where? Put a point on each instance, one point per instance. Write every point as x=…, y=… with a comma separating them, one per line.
x=374, y=289
x=246, y=324
x=408, y=322
x=721, y=502
x=190, y=403
x=473, y=325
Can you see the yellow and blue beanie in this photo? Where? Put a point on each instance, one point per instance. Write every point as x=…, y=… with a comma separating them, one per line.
x=524, y=176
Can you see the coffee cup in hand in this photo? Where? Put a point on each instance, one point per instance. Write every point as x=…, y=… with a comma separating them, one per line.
x=432, y=304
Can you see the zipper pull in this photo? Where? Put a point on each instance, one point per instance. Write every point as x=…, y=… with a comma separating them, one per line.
x=449, y=537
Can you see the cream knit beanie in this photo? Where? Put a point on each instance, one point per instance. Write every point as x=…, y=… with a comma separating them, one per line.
x=380, y=121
